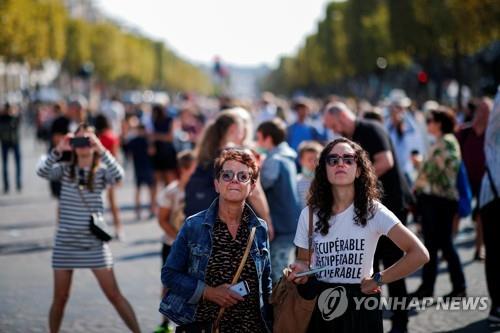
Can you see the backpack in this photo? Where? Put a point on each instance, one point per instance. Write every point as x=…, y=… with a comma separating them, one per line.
x=200, y=190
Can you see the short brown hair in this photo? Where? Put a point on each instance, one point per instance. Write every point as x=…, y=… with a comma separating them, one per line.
x=445, y=117
x=309, y=147
x=243, y=156
x=275, y=128
x=185, y=159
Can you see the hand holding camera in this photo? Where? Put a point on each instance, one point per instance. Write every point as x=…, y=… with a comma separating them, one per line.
x=69, y=143
x=64, y=144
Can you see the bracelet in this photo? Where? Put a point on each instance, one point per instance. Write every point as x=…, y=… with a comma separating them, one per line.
x=377, y=277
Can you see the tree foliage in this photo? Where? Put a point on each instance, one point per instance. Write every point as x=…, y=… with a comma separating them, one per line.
x=355, y=33
x=33, y=31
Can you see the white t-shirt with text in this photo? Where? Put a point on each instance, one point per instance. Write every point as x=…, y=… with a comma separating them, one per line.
x=348, y=249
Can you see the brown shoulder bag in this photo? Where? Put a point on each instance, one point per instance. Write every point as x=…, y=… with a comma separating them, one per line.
x=292, y=312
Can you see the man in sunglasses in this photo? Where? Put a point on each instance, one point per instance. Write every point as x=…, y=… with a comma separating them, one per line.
x=397, y=196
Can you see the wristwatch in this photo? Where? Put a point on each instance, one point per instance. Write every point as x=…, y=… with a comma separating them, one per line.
x=377, y=277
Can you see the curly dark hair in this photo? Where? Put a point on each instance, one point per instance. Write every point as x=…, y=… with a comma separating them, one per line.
x=366, y=190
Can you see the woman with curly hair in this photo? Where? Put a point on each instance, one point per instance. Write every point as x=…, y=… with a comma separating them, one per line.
x=348, y=220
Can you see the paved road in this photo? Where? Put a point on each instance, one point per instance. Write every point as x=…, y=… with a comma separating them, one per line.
x=27, y=222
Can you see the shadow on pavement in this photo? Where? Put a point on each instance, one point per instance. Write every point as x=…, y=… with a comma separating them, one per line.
x=28, y=225
x=25, y=247
x=139, y=256
x=145, y=242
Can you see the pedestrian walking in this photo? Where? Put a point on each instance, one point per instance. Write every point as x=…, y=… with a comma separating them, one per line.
x=279, y=180
x=231, y=128
x=164, y=154
x=437, y=203
x=137, y=146
x=10, y=122
x=309, y=152
x=83, y=180
x=171, y=201
x=111, y=142
x=489, y=203
x=471, y=139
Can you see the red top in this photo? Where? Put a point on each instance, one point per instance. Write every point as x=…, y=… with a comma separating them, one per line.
x=110, y=141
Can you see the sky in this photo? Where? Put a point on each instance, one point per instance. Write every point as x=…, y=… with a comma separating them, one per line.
x=241, y=32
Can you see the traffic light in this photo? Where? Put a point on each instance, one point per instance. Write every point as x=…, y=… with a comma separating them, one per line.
x=423, y=77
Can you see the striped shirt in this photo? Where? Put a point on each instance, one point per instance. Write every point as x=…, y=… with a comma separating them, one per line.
x=74, y=245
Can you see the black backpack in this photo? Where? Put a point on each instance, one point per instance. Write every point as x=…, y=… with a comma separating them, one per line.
x=200, y=190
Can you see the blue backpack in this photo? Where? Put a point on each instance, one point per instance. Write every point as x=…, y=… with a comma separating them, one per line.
x=464, y=191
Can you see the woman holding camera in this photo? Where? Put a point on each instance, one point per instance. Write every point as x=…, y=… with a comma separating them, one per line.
x=84, y=177
x=214, y=251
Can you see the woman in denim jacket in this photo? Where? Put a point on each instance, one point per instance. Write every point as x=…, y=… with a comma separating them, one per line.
x=208, y=250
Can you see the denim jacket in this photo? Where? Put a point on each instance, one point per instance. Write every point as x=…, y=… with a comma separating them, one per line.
x=184, y=272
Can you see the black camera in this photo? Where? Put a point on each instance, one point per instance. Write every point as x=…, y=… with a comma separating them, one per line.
x=79, y=142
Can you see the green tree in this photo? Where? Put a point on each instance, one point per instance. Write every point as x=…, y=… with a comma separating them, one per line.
x=77, y=47
x=18, y=30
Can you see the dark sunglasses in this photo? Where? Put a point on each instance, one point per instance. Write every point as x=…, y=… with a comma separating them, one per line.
x=334, y=159
x=241, y=176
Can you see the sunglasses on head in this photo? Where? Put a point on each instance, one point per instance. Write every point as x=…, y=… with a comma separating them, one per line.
x=334, y=159
x=241, y=176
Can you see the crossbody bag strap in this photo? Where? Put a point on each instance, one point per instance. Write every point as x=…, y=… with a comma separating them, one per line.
x=310, y=237
x=83, y=199
x=492, y=184
x=238, y=273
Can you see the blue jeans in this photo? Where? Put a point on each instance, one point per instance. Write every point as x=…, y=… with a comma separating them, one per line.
x=6, y=146
x=282, y=254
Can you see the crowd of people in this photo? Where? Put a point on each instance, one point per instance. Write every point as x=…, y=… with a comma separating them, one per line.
x=232, y=188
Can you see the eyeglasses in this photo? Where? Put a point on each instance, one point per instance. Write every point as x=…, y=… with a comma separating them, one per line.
x=241, y=176
x=429, y=120
x=334, y=159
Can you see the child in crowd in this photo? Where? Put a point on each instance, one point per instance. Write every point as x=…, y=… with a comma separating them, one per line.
x=171, y=210
x=143, y=169
x=309, y=152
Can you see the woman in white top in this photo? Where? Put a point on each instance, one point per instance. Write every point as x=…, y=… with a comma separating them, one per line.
x=348, y=220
